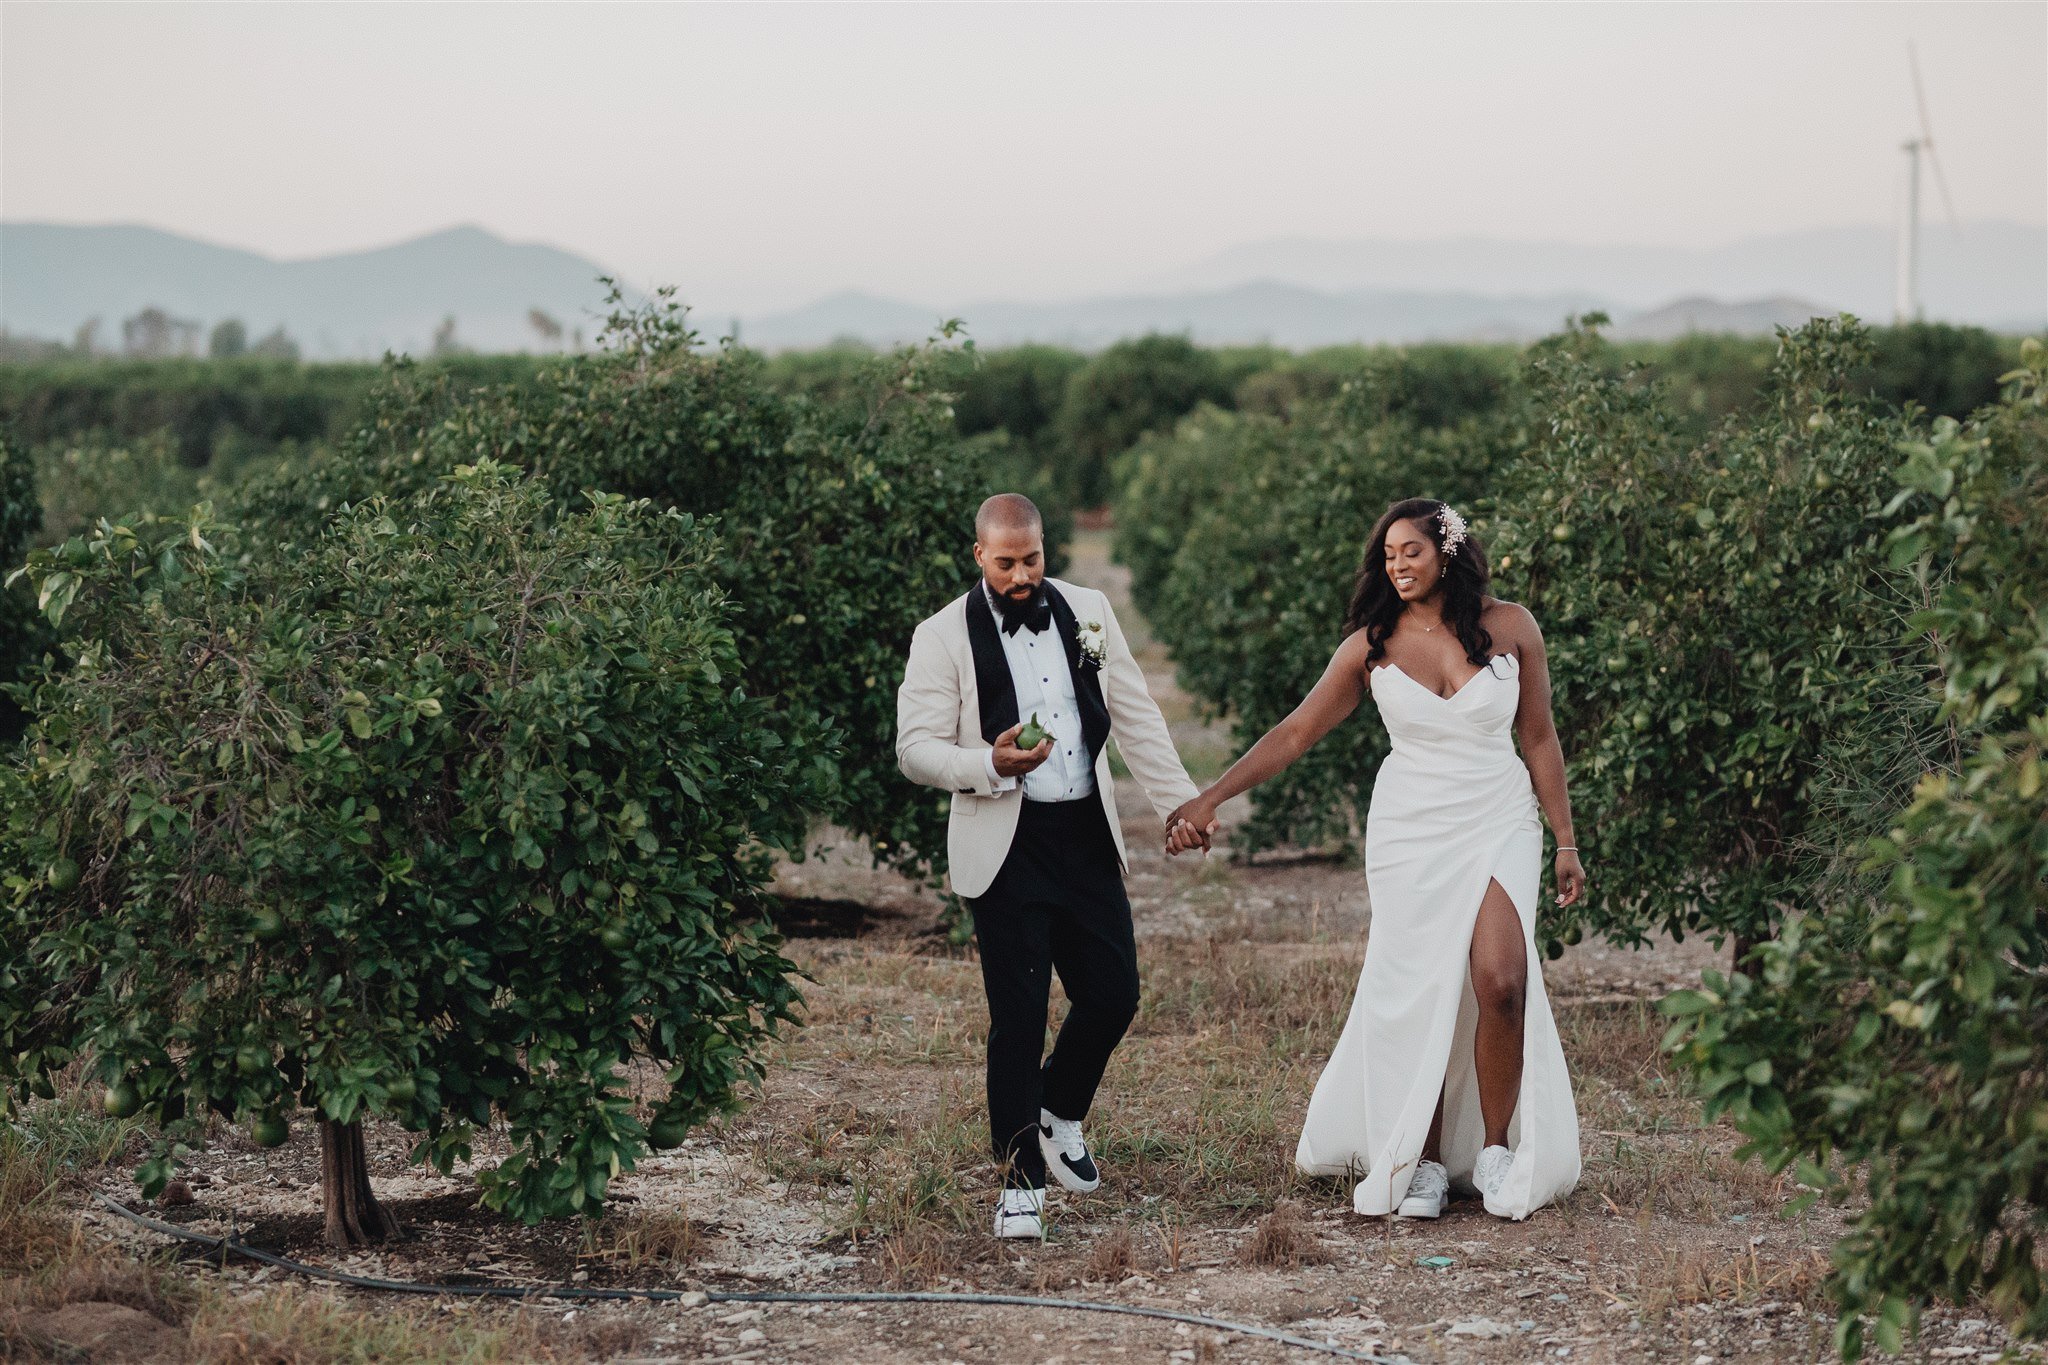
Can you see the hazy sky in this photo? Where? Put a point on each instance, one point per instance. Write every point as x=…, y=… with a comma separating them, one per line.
x=761, y=155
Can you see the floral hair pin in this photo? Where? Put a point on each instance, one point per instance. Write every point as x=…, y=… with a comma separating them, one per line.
x=1453, y=526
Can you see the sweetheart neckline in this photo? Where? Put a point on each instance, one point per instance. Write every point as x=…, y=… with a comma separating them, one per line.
x=1432, y=691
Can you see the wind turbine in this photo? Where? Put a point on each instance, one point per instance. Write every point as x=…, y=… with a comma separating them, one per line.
x=1907, y=307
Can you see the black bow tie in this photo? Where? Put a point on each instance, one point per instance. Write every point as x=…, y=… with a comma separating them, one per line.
x=1034, y=614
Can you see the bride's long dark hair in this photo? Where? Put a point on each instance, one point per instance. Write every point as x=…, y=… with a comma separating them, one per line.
x=1375, y=606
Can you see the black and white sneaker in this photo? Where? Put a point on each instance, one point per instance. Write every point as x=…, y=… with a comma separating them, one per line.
x=1021, y=1214
x=1066, y=1153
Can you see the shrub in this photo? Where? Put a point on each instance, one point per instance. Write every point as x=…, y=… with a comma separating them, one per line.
x=88, y=478
x=1169, y=481
x=1708, y=376
x=452, y=813
x=22, y=638
x=829, y=374
x=1950, y=371
x=1432, y=386
x=1259, y=525
x=1018, y=389
x=1130, y=389
x=1899, y=1033
x=844, y=523
x=247, y=404
x=1713, y=617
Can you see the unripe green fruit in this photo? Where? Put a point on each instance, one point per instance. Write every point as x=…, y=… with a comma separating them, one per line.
x=63, y=874
x=665, y=1133
x=122, y=1100
x=250, y=1060
x=402, y=1090
x=270, y=1131
x=615, y=937
x=1561, y=532
x=1032, y=735
x=266, y=923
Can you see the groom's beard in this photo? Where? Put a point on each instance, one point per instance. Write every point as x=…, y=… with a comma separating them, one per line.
x=1025, y=608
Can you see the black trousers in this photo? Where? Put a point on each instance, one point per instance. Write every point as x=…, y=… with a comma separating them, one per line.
x=1058, y=903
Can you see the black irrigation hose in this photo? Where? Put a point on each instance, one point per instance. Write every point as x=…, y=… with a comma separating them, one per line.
x=230, y=1245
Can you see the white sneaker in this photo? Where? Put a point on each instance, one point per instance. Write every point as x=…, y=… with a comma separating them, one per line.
x=1066, y=1153
x=1021, y=1213
x=1427, y=1191
x=1488, y=1173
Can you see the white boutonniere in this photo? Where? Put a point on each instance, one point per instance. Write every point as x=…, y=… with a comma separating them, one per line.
x=1093, y=641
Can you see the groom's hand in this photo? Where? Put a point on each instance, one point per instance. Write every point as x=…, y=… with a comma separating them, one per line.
x=1012, y=761
x=1189, y=827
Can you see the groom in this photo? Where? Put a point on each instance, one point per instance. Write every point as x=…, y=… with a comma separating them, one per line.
x=1034, y=843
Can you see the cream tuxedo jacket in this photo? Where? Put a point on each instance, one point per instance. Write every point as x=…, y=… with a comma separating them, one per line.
x=943, y=737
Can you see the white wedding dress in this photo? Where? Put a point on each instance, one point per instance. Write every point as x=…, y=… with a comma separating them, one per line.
x=1452, y=807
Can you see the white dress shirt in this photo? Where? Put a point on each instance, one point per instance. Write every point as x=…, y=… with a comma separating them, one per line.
x=1045, y=686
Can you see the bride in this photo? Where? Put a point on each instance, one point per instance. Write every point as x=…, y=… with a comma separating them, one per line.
x=1449, y=1066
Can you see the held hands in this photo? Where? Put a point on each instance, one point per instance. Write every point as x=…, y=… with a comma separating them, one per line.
x=1571, y=878
x=1012, y=761
x=1190, y=826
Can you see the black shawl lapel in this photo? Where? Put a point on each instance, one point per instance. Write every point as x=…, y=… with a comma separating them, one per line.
x=994, y=689
x=1087, y=677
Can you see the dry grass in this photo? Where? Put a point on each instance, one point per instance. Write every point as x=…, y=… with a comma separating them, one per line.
x=1202, y=1106
x=1689, y=1275
x=41, y=1148
x=1113, y=1257
x=875, y=1109
x=874, y=1113
x=49, y=1262
x=291, y=1326
x=667, y=1239
x=1283, y=1239
x=925, y=1256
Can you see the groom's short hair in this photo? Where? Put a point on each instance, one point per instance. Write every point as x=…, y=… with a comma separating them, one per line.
x=1007, y=512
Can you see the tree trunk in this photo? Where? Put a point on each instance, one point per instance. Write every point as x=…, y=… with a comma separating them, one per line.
x=1750, y=967
x=354, y=1217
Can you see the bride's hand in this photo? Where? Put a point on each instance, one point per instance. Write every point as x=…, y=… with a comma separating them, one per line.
x=1190, y=826
x=1571, y=878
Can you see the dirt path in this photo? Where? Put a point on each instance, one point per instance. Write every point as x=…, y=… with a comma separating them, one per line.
x=861, y=1164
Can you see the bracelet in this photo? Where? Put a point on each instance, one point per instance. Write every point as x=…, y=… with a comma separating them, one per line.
x=1567, y=848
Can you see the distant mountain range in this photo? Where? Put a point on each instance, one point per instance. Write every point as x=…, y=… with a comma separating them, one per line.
x=1755, y=318
x=1296, y=293
x=1991, y=273
x=1260, y=311
x=55, y=277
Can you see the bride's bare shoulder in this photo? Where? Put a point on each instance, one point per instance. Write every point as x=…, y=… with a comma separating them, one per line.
x=1508, y=622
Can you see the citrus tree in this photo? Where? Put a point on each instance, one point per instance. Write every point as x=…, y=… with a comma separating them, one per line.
x=21, y=514
x=1896, y=1034
x=1249, y=530
x=449, y=815
x=1131, y=388
x=843, y=522
x=1715, y=615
